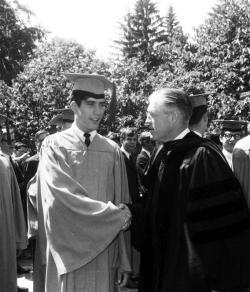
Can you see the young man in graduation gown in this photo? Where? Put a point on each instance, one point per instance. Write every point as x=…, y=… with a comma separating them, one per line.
x=80, y=181
x=12, y=224
x=196, y=228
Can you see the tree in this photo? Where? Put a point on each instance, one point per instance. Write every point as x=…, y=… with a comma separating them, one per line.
x=142, y=31
x=17, y=41
x=224, y=55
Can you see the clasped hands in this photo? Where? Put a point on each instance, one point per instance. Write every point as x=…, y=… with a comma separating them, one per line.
x=127, y=216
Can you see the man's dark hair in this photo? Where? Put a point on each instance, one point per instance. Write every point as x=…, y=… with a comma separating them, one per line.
x=198, y=113
x=127, y=132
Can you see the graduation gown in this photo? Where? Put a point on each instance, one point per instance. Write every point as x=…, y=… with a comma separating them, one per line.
x=12, y=226
x=241, y=165
x=79, y=189
x=196, y=224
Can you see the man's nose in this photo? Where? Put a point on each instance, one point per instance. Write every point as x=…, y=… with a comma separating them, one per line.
x=97, y=110
x=148, y=121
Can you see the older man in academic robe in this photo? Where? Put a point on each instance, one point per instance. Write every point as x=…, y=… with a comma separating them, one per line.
x=12, y=225
x=81, y=179
x=196, y=228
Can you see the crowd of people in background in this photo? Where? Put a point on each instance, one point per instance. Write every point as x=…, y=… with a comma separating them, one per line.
x=163, y=208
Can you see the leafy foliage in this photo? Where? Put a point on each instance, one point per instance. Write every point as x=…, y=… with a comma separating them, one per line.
x=17, y=41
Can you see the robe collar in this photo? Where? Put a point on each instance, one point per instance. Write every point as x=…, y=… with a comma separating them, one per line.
x=148, y=153
x=197, y=133
x=80, y=133
x=182, y=134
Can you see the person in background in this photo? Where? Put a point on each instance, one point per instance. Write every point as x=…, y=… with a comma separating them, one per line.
x=30, y=165
x=80, y=180
x=63, y=120
x=21, y=153
x=231, y=132
x=129, y=139
x=147, y=144
x=241, y=165
x=13, y=237
x=199, y=119
x=195, y=232
x=114, y=137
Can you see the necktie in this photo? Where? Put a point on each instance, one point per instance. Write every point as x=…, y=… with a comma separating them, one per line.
x=131, y=159
x=87, y=139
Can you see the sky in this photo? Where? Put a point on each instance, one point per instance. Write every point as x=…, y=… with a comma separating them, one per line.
x=95, y=23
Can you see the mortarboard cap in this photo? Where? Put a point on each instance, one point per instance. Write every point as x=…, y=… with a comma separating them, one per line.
x=65, y=115
x=233, y=125
x=89, y=85
x=199, y=99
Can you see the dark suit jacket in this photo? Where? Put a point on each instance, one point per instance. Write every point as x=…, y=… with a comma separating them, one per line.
x=141, y=165
x=132, y=179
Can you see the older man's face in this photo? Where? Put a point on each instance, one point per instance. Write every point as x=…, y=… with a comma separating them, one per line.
x=160, y=120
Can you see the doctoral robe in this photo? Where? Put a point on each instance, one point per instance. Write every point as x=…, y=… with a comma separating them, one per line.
x=196, y=227
x=12, y=226
x=79, y=188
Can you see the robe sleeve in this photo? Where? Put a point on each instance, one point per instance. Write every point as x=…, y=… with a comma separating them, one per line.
x=20, y=226
x=78, y=228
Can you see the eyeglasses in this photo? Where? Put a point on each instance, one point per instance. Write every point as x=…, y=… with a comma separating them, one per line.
x=230, y=136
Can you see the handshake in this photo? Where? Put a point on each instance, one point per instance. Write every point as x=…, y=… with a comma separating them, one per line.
x=127, y=216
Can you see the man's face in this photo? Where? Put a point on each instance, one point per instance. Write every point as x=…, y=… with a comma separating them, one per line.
x=20, y=151
x=160, y=120
x=90, y=113
x=229, y=139
x=129, y=143
x=149, y=144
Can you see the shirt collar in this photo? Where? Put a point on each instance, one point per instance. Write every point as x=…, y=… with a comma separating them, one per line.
x=182, y=134
x=197, y=133
x=146, y=151
x=80, y=133
x=125, y=152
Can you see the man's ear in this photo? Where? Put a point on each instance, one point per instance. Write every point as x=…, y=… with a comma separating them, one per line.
x=174, y=116
x=73, y=106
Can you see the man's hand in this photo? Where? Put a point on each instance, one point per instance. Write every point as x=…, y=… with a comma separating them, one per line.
x=127, y=216
x=123, y=279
